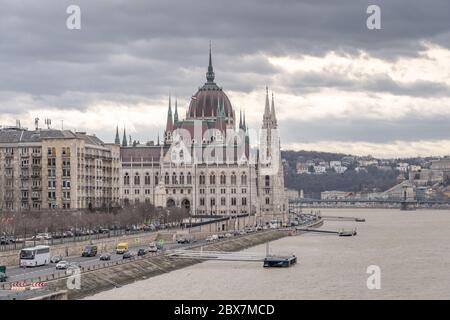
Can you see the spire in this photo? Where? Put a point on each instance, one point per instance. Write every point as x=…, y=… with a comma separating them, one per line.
x=124, y=139
x=210, y=73
x=117, y=140
x=169, y=123
x=244, y=126
x=267, y=108
x=274, y=118
x=175, y=117
x=240, y=119
x=158, y=139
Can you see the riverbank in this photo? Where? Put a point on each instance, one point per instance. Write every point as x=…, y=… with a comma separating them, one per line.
x=119, y=275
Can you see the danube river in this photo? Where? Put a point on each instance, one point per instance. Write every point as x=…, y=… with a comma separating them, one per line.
x=411, y=248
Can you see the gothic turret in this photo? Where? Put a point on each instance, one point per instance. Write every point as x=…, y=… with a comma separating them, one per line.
x=124, y=139
x=117, y=140
x=169, y=124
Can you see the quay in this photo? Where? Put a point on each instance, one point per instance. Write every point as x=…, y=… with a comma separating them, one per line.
x=341, y=233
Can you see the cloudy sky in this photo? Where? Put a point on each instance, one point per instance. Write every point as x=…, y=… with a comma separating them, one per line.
x=338, y=85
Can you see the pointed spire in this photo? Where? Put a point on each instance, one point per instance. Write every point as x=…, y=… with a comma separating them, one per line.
x=117, y=140
x=124, y=139
x=158, y=139
x=240, y=119
x=243, y=123
x=210, y=74
x=169, y=123
x=267, y=108
x=272, y=112
x=175, y=117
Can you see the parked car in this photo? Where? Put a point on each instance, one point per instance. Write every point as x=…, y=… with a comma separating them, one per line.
x=209, y=239
x=228, y=235
x=159, y=245
x=221, y=236
x=142, y=252
x=62, y=265
x=105, y=256
x=56, y=259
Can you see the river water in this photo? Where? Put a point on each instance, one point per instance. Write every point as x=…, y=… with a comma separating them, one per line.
x=411, y=248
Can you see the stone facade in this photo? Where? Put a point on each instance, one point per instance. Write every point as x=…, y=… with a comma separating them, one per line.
x=56, y=169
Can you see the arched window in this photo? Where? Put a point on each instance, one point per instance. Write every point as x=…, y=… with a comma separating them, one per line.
x=126, y=179
x=189, y=178
x=137, y=179
x=156, y=178
x=223, y=178
x=174, y=178
x=244, y=178
x=166, y=178
x=223, y=201
x=212, y=178
x=267, y=181
x=181, y=178
x=202, y=179
x=233, y=178
x=147, y=178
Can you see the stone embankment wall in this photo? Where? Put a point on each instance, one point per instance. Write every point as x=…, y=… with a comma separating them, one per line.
x=124, y=273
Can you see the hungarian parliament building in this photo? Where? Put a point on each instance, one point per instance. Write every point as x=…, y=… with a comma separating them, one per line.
x=205, y=163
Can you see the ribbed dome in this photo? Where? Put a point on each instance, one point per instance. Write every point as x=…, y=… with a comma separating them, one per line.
x=204, y=103
x=206, y=100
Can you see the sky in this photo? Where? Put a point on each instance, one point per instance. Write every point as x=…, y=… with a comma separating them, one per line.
x=338, y=86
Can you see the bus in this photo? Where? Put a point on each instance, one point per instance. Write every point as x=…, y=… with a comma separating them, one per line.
x=35, y=256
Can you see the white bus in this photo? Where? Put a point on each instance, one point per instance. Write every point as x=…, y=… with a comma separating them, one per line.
x=35, y=256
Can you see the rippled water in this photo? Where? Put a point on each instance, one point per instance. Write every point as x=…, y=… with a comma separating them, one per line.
x=412, y=248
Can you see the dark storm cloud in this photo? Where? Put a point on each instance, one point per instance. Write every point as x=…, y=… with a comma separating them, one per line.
x=139, y=50
x=310, y=82
x=409, y=128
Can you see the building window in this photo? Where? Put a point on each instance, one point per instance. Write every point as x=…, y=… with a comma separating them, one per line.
x=212, y=178
x=244, y=201
x=223, y=201
x=181, y=178
x=267, y=200
x=202, y=179
x=244, y=179
x=166, y=178
x=137, y=179
x=202, y=201
x=233, y=201
x=147, y=179
x=233, y=178
x=267, y=181
x=174, y=178
x=223, y=178
x=126, y=179
x=189, y=178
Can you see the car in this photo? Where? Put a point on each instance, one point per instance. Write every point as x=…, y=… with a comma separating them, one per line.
x=221, y=236
x=89, y=251
x=62, y=265
x=128, y=255
x=105, y=256
x=228, y=235
x=141, y=252
x=209, y=239
x=56, y=259
x=159, y=245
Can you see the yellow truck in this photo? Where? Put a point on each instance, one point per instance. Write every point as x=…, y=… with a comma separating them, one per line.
x=121, y=247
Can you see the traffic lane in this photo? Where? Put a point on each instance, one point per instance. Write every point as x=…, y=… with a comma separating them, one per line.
x=18, y=273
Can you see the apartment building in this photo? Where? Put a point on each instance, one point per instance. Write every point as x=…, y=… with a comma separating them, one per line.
x=56, y=169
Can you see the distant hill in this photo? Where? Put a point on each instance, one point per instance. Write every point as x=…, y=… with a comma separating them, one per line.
x=373, y=179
